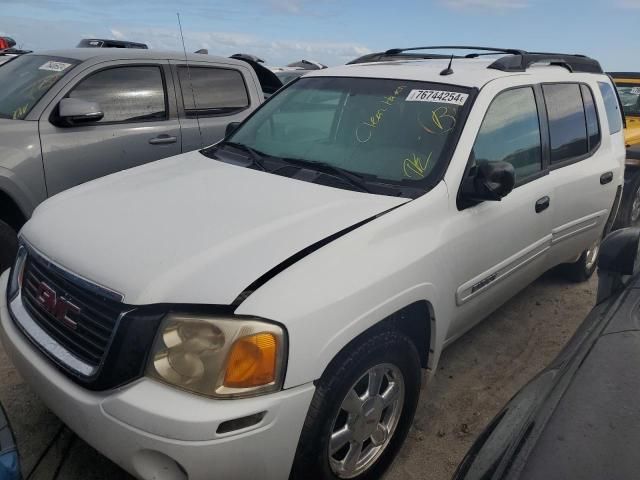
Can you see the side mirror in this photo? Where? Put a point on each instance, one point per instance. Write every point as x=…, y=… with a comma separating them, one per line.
x=618, y=261
x=232, y=127
x=75, y=111
x=488, y=181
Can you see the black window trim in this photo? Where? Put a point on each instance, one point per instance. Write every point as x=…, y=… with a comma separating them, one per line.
x=210, y=112
x=54, y=113
x=591, y=152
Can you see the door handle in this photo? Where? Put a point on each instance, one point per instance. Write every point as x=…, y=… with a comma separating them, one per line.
x=542, y=204
x=163, y=139
x=606, y=178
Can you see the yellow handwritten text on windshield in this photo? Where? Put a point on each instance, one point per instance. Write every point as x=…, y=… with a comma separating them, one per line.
x=415, y=167
x=365, y=130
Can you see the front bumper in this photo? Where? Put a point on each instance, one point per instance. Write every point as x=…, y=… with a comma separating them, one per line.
x=157, y=432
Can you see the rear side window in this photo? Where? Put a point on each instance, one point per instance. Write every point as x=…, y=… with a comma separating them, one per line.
x=567, y=124
x=591, y=115
x=510, y=132
x=612, y=107
x=212, y=91
x=125, y=94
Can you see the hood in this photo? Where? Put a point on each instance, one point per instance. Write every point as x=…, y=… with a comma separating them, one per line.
x=189, y=229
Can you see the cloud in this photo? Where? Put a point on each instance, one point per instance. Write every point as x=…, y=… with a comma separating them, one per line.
x=275, y=52
x=488, y=4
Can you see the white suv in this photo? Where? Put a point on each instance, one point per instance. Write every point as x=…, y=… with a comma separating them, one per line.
x=263, y=308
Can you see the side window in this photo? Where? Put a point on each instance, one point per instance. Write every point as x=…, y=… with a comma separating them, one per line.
x=593, y=127
x=567, y=125
x=216, y=91
x=125, y=94
x=612, y=107
x=510, y=132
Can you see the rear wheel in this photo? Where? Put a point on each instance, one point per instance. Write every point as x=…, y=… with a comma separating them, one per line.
x=582, y=270
x=361, y=412
x=8, y=246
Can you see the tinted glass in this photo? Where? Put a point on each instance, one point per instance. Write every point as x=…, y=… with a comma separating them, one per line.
x=388, y=130
x=510, y=133
x=593, y=128
x=614, y=116
x=630, y=98
x=567, y=125
x=125, y=94
x=216, y=90
x=25, y=79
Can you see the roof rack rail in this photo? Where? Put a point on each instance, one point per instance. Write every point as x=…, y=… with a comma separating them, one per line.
x=572, y=62
x=517, y=60
x=512, y=51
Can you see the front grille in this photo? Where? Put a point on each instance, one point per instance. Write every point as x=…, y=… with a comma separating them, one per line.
x=93, y=323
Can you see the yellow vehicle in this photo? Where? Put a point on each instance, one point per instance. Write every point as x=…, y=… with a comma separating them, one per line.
x=628, y=85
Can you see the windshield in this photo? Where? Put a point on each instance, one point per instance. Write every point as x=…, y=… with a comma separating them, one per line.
x=387, y=131
x=26, y=79
x=630, y=98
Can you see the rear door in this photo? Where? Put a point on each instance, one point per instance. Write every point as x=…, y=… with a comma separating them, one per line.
x=210, y=97
x=584, y=169
x=140, y=123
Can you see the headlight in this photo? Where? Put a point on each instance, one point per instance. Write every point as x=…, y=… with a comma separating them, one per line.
x=219, y=357
x=15, y=278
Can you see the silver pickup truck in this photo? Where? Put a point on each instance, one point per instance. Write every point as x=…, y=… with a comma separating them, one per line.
x=70, y=116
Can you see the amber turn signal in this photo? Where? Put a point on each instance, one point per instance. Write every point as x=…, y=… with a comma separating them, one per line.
x=252, y=361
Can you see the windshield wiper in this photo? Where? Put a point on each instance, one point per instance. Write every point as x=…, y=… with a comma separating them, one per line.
x=351, y=178
x=254, y=156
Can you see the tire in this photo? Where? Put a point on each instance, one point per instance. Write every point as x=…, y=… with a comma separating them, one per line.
x=583, y=269
x=8, y=246
x=629, y=214
x=390, y=353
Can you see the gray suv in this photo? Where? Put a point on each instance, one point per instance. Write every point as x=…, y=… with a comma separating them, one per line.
x=70, y=116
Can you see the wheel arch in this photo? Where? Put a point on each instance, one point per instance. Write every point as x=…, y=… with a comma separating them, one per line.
x=416, y=320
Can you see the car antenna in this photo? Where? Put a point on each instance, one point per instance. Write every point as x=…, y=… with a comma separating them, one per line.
x=193, y=95
x=448, y=71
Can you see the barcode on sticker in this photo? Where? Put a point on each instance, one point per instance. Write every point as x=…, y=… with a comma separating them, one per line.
x=55, y=66
x=635, y=91
x=437, y=96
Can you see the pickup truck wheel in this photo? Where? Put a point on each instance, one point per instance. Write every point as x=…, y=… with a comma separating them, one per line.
x=361, y=411
x=582, y=270
x=8, y=246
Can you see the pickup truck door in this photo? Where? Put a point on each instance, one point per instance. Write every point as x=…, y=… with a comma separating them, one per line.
x=499, y=247
x=140, y=123
x=210, y=96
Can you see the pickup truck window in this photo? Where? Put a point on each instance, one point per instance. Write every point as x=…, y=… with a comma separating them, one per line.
x=125, y=94
x=510, y=132
x=26, y=79
x=389, y=131
x=216, y=91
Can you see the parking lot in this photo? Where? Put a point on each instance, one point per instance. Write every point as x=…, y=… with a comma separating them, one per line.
x=476, y=376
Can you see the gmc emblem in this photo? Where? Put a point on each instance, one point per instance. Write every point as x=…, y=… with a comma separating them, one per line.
x=59, y=307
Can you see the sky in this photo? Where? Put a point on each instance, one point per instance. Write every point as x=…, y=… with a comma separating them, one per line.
x=334, y=31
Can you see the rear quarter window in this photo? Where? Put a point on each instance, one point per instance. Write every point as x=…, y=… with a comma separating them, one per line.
x=614, y=116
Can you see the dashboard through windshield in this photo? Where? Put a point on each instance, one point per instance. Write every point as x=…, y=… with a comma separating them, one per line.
x=386, y=131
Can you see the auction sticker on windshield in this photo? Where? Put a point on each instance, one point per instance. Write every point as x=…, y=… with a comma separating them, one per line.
x=55, y=66
x=437, y=96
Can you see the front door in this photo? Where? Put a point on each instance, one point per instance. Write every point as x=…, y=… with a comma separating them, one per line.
x=500, y=247
x=140, y=125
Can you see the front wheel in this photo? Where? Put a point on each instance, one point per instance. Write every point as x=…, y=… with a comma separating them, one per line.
x=361, y=411
x=629, y=214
